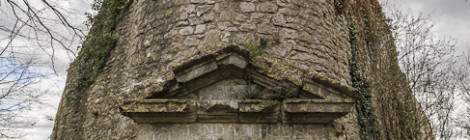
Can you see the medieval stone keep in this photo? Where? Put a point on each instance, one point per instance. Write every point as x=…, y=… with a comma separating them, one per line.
x=237, y=70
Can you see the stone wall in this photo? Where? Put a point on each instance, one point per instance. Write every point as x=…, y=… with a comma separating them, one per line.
x=291, y=40
x=235, y=132
x=304, y=35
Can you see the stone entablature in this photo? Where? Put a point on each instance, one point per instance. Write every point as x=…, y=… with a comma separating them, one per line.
x=227, y=88
x=236, y=111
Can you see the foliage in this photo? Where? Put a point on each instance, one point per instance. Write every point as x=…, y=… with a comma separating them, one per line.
x=89, y=64
x=386, y=109
x=365, y=116
x=100, y=41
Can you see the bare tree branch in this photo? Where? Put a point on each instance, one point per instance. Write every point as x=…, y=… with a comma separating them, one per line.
x=26, y=26
x=433, y=69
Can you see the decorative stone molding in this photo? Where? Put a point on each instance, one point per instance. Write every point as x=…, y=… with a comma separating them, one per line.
x=315, y=110
x=160, y=110
x=226, y=88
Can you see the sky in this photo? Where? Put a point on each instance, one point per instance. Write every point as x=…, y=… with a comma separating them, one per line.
x=450, y=17
x=36, y=123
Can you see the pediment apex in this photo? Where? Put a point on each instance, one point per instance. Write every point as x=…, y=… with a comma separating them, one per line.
x=221, y=54
x=227, y=87
x=234, y=62
x=204, y=65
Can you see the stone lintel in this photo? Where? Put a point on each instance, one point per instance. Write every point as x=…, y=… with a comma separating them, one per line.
x=260, y=111
x=237, y=111
x=258, y=106
x=160, y=110
x=160, y=106
x=317, y=106
x=315, y=110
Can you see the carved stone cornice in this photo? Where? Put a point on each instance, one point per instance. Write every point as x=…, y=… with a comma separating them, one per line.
x=199, y=94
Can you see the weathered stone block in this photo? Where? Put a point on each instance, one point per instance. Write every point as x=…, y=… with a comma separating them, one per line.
x=258, y=111
x=247, y=7
x=160, y=110
x=196, y=71
x=200, y=29
x=235, y=60
x=267, y=7
x=315, y=110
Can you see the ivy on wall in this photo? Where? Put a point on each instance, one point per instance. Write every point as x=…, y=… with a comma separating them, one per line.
x=365, y=116
x=100, y=41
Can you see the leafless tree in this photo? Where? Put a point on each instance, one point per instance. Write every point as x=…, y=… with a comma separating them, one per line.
x=465, y=83
x=432, y=67
x=29, y=28
x=14, y=96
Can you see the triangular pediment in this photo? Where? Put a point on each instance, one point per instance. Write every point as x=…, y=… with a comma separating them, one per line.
x=227, y=87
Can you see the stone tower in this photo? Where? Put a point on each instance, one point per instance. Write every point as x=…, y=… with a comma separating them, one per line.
x=238, y=70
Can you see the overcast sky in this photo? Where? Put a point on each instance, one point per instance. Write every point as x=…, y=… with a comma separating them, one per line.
x=50, y=86
x=451, y=19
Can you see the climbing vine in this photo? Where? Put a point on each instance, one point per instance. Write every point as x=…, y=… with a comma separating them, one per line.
x=365, y=116
x=100, y=41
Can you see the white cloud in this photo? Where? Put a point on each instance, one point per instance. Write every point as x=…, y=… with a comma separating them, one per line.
x=49, y=87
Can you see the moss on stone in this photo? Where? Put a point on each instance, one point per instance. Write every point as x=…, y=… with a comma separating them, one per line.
x=88, y=65
x=99, y=43
x=256, y=49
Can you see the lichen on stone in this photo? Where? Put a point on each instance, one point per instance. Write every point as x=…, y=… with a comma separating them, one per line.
x=255, y=49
